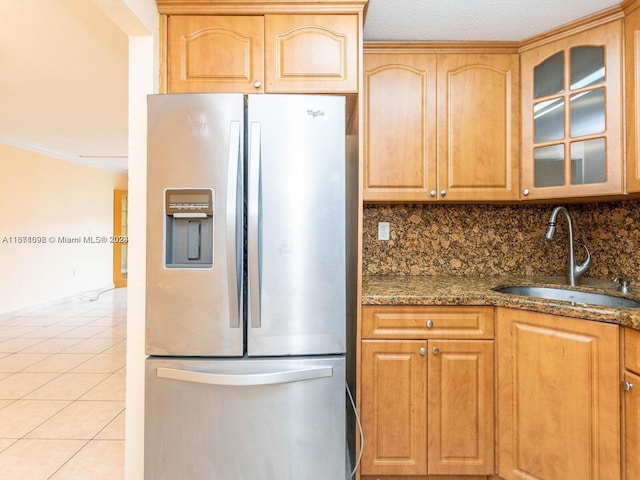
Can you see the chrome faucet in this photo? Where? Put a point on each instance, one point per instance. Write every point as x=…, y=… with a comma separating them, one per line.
x=574, y=272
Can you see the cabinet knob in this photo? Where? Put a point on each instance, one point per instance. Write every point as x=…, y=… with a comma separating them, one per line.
x=257, y=84
x=433, y=193
x=443, y=192
x=525, y=192
x=627, y=386
x=435, y=351
x=423, y=351
x=429, y=323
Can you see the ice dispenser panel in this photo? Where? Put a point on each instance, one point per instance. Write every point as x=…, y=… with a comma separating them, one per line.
x=189, y=215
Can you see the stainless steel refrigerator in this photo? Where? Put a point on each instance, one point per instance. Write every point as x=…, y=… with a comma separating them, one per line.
x=249, y=281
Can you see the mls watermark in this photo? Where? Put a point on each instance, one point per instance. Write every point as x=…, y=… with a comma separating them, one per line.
x=62, y=239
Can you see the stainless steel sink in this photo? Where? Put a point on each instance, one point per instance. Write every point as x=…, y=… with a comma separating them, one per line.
x=572, y=296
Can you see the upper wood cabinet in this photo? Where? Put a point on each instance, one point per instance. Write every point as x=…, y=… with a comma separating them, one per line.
x=399, y=127
x=440, y=126
x=478, y=120
x=215, y=53
x=632, y=95
x=572, y=115
x=311, y=53
x=262, y=53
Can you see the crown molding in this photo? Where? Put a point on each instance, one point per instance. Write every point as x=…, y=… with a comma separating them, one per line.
x=606, y=16
x=441, y=47
x=92, y=162
x=255, y=7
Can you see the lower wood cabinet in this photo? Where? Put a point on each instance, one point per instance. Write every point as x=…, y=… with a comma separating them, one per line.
x=632, y=425
x=427, y=404
x=558, y=397
x=460, y=407
x=394, y=407
x=631, y=389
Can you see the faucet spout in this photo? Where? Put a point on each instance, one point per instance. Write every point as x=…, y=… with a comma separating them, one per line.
x=574, y=272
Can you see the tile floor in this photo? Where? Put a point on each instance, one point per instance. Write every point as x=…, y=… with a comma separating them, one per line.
x=62, y=391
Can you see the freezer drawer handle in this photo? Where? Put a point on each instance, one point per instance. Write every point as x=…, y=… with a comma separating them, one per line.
x=268, y=378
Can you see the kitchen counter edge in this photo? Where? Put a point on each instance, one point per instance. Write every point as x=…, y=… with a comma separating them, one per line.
x=450, y=290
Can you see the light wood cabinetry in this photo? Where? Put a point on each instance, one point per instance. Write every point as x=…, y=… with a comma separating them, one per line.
x=399, y=127
x=427, y=395
x=215, y=53
x=394, y=407
x=478, y=127
x=572, y=114
x=440, y=126
x=274, y=53
x=631, y=389
x=632, y=94
x=632, y=350
x=460, y=405
x=558, y=397
x=311, y=53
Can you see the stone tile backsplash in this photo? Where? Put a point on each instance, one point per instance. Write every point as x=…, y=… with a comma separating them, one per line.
x=452, y=239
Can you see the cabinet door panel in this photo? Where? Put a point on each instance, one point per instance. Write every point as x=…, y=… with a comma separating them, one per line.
x=311, y=53
x=632, y=350
x=400, y=127
x=460, y=407
x=632, y=427
x=632, y=98
x=478, y=118
x=394, y=408
x=561, y=127
x=558, y=397
x=215, y=53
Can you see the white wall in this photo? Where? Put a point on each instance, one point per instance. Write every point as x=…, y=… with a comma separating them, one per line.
x=142, y=75
x=139, y=20
x=43, y=202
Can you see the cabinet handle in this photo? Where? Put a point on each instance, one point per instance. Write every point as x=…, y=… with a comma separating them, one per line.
x=435, y=351
x=429, y=323
x=443, y=193
x=423, y=351
x=627, y=386
x=257, y=84
x=433, y=193
x=525, y=192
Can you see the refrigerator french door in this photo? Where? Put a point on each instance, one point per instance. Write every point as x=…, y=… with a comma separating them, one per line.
x=295, y=231
x=246, y=287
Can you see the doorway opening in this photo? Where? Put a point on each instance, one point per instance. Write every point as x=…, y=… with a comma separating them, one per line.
x=120, y=237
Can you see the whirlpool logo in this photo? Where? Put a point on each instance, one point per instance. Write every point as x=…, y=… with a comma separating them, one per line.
x=315, y=113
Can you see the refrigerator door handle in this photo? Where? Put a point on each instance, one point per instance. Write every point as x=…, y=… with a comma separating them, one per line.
x=232, y=241
x=253, y=233
x=252, y=379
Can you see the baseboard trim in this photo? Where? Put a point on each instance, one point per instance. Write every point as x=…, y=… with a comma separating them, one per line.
x=57, y=301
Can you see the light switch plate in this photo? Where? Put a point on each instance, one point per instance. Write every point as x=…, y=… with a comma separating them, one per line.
x=383, y=230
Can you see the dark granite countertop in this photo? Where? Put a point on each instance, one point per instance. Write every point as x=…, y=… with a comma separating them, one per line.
x=463, y=290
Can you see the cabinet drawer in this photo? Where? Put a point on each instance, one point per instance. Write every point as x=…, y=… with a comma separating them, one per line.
x=632, y=350
x=411, y=322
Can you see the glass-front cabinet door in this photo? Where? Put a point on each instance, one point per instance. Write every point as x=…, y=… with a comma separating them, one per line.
x=571, y=109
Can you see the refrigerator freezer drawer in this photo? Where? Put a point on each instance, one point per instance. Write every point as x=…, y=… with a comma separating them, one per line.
x=245, y=419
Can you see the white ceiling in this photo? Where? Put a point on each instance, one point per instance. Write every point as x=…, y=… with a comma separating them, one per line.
x=63, y=81
x=505, y=20
x=63, y=63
